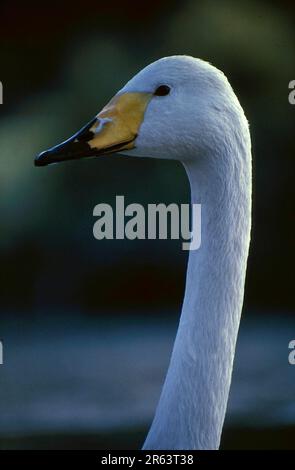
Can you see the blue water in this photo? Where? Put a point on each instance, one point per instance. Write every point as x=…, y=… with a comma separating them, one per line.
x=79, y=374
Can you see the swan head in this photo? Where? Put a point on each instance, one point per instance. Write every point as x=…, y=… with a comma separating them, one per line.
x=178, y=107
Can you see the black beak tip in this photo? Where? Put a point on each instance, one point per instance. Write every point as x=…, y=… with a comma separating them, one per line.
x=41, y=159
x=73, y=148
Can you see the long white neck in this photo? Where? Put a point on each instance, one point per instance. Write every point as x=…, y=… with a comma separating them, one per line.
x=192, y=407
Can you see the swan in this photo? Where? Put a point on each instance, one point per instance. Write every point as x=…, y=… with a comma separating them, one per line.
x=183, y=108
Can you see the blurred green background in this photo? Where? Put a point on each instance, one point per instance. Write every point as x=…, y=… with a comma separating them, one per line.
x=60, y=63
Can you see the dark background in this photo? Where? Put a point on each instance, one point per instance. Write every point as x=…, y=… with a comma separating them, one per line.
x=59, y=64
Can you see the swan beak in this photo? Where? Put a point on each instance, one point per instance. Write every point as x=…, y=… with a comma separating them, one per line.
x=114, y=129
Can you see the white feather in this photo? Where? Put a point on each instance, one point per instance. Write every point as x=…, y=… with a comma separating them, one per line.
x=202, y=124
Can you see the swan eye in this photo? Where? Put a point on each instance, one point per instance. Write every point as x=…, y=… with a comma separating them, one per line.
x=162, y=90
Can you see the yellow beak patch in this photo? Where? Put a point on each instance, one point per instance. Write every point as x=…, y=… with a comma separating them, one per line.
x=119, y=121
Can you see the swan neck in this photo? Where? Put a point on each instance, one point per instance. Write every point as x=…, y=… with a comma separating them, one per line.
x=193, y=402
